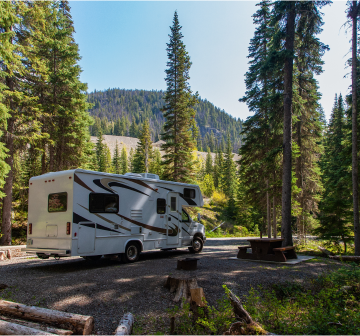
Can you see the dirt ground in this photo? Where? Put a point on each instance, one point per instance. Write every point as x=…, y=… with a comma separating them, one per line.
x=107, y=289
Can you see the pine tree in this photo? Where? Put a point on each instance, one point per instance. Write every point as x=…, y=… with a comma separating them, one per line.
x=19, y=62
x=143, y=152
x=229, y=177
x=124, y=161
x=116, y=162
x=131, y=160
x=335, y=207
x=101, y=153
x=155, y=164
x=179, y=128
x=209, y=163
x=218, y=168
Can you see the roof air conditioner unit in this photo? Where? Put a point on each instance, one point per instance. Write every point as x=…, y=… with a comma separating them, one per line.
x=150, y=176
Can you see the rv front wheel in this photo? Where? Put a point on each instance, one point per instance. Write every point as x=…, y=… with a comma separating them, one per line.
x=132, y=253
x=197, y=245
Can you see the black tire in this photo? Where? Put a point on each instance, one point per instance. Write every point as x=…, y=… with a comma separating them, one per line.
x=93, y=258
x=42, y=256
x=132, y=253
x=197, y=245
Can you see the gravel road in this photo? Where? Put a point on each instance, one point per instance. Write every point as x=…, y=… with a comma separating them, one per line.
x=107, y=289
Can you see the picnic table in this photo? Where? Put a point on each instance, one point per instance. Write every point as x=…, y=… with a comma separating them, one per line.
x=269, y=249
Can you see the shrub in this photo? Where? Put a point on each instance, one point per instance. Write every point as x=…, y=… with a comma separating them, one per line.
x=219, y=198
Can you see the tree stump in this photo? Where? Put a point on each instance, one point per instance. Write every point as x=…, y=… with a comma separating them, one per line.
x=125, y=325
x=181, y=287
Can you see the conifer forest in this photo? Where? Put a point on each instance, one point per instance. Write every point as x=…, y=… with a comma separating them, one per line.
x=297, y=173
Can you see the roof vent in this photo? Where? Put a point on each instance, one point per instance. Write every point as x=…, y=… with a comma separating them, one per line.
x=133, y=175
x=150, y=176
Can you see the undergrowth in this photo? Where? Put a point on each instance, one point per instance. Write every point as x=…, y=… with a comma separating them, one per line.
x=327, y=305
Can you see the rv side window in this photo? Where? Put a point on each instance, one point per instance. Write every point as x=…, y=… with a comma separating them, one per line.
x=189, y=193
x=57, y=202
x=103, y=203
x=184, y=217
x=161, y=205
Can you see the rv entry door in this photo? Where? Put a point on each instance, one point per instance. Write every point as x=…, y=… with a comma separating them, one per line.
x=86, y=240
x=172, y=221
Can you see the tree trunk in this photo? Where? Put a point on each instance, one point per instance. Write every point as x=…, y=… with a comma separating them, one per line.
x=355, y=182
x=7, y=200
x=81, y=324
x=287, y=150
x=268, y=211
x=274, y=218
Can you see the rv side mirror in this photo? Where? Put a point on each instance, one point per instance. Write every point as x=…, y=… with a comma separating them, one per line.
x=199, y=217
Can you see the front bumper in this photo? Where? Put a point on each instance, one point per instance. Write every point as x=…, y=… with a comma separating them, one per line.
x=204, y=239
x=47, y=251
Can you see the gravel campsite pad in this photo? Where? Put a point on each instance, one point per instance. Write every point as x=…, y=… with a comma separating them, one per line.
x=107, y=289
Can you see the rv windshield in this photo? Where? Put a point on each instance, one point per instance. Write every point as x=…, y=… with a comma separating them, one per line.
x=185, y=217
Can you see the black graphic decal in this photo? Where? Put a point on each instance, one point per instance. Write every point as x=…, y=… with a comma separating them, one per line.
x=118, y=184
x=186, y=231
x=77, y=218
x=98, y=183
x=91, y=225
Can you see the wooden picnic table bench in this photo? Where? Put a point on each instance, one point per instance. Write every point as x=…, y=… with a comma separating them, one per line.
x=268, y=249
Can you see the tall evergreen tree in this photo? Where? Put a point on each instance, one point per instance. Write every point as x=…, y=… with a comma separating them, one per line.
x=144, y=150
x=18, y=61
x=353, y=13
x=209, y=163
x=335, y=207
x=179, y=128
x=124, y=161
x=116, y=162
x=229, y=176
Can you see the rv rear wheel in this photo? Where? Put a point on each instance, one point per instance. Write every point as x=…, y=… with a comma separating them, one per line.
x=197, y=245
x=132, y=253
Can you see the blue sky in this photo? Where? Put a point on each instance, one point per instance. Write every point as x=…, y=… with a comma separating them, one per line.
x=123, y=44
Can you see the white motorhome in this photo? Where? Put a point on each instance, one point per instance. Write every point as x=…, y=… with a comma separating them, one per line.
x=93, y=214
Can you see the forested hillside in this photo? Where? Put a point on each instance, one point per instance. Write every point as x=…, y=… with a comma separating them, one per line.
x=122, y=112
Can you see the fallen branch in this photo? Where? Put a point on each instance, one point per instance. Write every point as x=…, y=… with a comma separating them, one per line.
x=126, y=324
x=247, y=326
x=80, y=324
x=345, y=258
x=325, y=251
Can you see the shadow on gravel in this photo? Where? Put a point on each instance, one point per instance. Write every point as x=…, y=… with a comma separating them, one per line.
x=80, y=265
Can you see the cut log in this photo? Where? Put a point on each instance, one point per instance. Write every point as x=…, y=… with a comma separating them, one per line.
x=8, y=328
x=2, y=255
x=346, y=258
x=247, y=326
x=38, y=326
x=125, y=325
x=80, y=324
x=8, y=254
x=181, y=287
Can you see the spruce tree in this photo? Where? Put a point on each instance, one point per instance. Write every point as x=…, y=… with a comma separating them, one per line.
x=19, y=63
x=116, y=162
x=155, y=164
x=209, y=163
x=144, y=150
x=124, y=161
x=179, y=128
x=335, y=207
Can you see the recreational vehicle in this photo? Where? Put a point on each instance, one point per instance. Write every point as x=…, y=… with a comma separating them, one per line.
x=93, y=214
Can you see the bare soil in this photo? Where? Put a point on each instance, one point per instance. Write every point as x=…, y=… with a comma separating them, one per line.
x=107, y=289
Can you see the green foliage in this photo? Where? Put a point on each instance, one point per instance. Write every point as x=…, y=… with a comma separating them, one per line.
x=138, y=105
x=207, y=185
x=143, y=152
x=325, y=308
x=116, y=161
x=336, y=205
